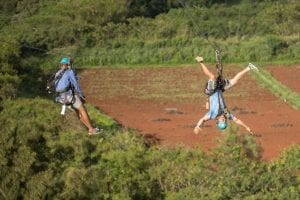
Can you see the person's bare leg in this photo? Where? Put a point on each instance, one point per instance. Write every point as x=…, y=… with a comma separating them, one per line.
x=238, y=76
x=84, y=117
x=206, y=71
x=79, y=116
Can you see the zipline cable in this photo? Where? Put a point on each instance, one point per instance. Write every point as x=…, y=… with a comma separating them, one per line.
x=26, y=46
x=205, y=36
x=197, y=27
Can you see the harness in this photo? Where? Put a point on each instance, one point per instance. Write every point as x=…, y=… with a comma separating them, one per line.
x=220, y=82
x=64, y=91
x=61, y=95
x=51, y=85
x=219, y=85
x=223, y=110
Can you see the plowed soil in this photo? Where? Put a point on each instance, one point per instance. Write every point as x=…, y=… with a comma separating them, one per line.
x=165, y=103
x=288, y=75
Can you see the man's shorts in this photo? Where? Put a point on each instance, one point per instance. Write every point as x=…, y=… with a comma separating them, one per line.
x=74, y=101
x=77, y=103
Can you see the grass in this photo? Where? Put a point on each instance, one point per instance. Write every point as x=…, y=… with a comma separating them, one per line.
x=101, y=119
x=267, y=81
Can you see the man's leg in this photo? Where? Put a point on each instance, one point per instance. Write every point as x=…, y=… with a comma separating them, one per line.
x=84, y=117
x=206, y=71
x=239, y=75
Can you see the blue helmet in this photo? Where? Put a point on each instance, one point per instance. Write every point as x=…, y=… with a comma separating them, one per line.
x=222, y=125
x=64, y=61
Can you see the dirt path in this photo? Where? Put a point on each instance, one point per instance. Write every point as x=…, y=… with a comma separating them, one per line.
x=165, y=103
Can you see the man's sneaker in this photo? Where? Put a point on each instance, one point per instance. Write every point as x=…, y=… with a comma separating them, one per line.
x=252, y=67
x=95, y=131
x=199, y=59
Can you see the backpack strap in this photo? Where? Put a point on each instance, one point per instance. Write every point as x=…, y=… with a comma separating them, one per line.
x=58, y=77
x=51, y=85
x=220, y=83
x=222, y=110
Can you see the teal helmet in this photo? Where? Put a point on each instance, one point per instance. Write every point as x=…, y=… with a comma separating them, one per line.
x=64, y=61
x=222, y=125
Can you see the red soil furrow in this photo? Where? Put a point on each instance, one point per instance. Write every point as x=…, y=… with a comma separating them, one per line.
x=165, y=103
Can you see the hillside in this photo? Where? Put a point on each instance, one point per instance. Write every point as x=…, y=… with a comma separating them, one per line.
x=45, y=156
x=153, y=32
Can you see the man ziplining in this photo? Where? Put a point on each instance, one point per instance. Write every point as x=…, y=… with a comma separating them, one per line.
x=69, y=93
x=217, y=106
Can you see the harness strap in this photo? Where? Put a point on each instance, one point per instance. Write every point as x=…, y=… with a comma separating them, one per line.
x=65, y=96
x=219, y=63
x=220, y=82
x=59, y=76
x=223, y=110
x=65, y=90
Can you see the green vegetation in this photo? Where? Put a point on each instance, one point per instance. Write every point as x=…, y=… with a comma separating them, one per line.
x=43, y=156
x=9, y=81
x=131, y=32
x=277, y=88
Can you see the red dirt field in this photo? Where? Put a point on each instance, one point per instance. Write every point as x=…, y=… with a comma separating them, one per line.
x=165, y=104
x=288, y=75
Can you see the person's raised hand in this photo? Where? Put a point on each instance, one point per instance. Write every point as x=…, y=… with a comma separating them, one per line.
x=199, y=59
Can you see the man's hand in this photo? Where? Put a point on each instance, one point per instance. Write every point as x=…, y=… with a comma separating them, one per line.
x=250, y=131
x=197, y=130
x=199, y=59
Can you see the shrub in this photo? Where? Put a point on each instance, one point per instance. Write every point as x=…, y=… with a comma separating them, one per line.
x=43, y=157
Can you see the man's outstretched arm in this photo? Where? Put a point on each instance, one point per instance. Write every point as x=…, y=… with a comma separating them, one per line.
x=200, y=123
x=241, y=123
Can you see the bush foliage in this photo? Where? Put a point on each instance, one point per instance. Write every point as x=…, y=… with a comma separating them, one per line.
x=155, y=32
x=45, y=157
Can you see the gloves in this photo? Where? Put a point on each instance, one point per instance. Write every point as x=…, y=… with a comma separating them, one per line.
x=199, y=59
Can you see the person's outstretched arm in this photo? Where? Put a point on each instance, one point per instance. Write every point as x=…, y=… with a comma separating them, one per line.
x=241, y=123
x=200, y=123
x=206, y=71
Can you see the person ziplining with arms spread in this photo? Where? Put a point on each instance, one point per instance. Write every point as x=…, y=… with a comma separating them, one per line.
x=217, y=106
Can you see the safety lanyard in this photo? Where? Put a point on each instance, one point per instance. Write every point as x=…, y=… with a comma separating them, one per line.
x=221, y=102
